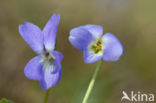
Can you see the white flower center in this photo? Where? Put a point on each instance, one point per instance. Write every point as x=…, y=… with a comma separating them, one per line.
x=48, y=62
x=97, y=46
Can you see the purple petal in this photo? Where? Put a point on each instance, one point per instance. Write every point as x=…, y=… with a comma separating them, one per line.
x=95, y=30
x=50, y=79
x=32, y=35
x=33, y=69
x=52, y=75
x=90, y=56
x=58, y=56
x=80, y=38
x=113, y=49
x=57, y=60
x=50, y=31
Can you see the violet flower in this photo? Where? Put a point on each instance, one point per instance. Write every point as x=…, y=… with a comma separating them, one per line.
x=46, y=67
x=94, y=45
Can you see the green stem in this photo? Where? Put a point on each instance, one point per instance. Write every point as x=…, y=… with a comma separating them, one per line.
x=46, y=96
x=91, y=84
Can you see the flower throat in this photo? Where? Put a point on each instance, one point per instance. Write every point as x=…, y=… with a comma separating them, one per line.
x=97, y=46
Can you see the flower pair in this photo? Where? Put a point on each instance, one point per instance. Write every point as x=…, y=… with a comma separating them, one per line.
x=46, y=67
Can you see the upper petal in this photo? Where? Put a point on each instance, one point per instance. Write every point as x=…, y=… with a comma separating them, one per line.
x=50, y=31
x=32, y=35
x=80, y=38
x=113, y=48
x=95, y=30
x=50, y=78
x=90, y=56
x=33, y=69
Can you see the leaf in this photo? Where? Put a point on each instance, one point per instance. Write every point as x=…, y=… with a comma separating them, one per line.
x=5, y=101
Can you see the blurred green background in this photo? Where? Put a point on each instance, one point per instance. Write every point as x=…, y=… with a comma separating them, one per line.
x=132, y=21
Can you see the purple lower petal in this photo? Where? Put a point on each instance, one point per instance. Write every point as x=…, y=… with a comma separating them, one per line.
x=50, y=79
x=80, y=38
x=33, y=36
x=52, y=74
x=90, y=56
x=113, y=49
x=33, y=69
